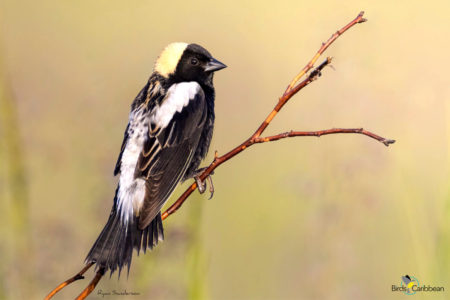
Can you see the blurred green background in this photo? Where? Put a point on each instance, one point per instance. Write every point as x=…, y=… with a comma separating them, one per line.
x=340, y=217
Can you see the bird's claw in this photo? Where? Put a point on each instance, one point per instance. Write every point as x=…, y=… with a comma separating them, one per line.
x=201, y=185
x=211, y=187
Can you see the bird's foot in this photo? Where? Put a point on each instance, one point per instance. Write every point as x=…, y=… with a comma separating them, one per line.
x=201, y=185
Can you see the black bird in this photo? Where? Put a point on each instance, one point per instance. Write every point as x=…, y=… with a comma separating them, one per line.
x=168, y=134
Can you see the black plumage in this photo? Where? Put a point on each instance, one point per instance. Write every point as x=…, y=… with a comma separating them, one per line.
x=168, y=134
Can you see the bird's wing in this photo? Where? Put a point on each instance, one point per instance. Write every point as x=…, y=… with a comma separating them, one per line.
x=175, y=127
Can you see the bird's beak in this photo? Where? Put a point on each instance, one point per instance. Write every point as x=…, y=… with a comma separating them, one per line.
x=214, y=65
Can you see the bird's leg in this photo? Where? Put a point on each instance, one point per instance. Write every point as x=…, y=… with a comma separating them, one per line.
x=201, y=185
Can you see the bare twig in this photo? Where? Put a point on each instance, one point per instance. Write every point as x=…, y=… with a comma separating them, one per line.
x=92, y=284
x=290, y=91
x=77, y=276
x=293, y=88
x=319, y=133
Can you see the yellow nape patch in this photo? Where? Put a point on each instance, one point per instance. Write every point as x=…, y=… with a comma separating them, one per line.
x=168, y=60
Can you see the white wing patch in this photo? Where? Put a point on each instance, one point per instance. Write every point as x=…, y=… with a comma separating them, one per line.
x=178, y=96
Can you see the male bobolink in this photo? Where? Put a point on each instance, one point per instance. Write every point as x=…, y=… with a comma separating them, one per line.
x=169, y=131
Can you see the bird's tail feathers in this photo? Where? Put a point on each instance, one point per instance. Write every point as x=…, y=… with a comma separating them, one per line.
x=113, y=249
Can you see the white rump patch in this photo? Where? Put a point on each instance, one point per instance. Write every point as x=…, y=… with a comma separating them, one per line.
x=130, y=195
x=167, y=62
x=178, y=96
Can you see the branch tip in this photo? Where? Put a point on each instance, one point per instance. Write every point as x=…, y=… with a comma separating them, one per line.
x=361, y=20
x=388, y=142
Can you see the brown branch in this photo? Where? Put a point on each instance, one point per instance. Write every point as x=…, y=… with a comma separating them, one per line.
x=77, y=276
x=250, y=142
x=293, y=88
x=319, y=133
x=92, y=284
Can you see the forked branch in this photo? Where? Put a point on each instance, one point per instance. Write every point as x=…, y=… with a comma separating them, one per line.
x=293, y=88
x=77, y=276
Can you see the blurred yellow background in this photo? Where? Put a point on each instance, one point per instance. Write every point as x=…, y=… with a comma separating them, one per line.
x=340, y=217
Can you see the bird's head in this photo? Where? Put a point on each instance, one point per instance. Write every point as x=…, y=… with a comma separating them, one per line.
x=187, y=62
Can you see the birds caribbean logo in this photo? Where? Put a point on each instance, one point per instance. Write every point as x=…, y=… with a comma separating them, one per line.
x=409, y=282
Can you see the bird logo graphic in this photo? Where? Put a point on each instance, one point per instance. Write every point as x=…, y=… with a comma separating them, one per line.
x=409, y=282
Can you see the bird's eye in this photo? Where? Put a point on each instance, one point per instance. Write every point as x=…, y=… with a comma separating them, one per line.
x=194, y=61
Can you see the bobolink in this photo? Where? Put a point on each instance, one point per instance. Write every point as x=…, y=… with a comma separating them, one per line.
x=168, y=133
